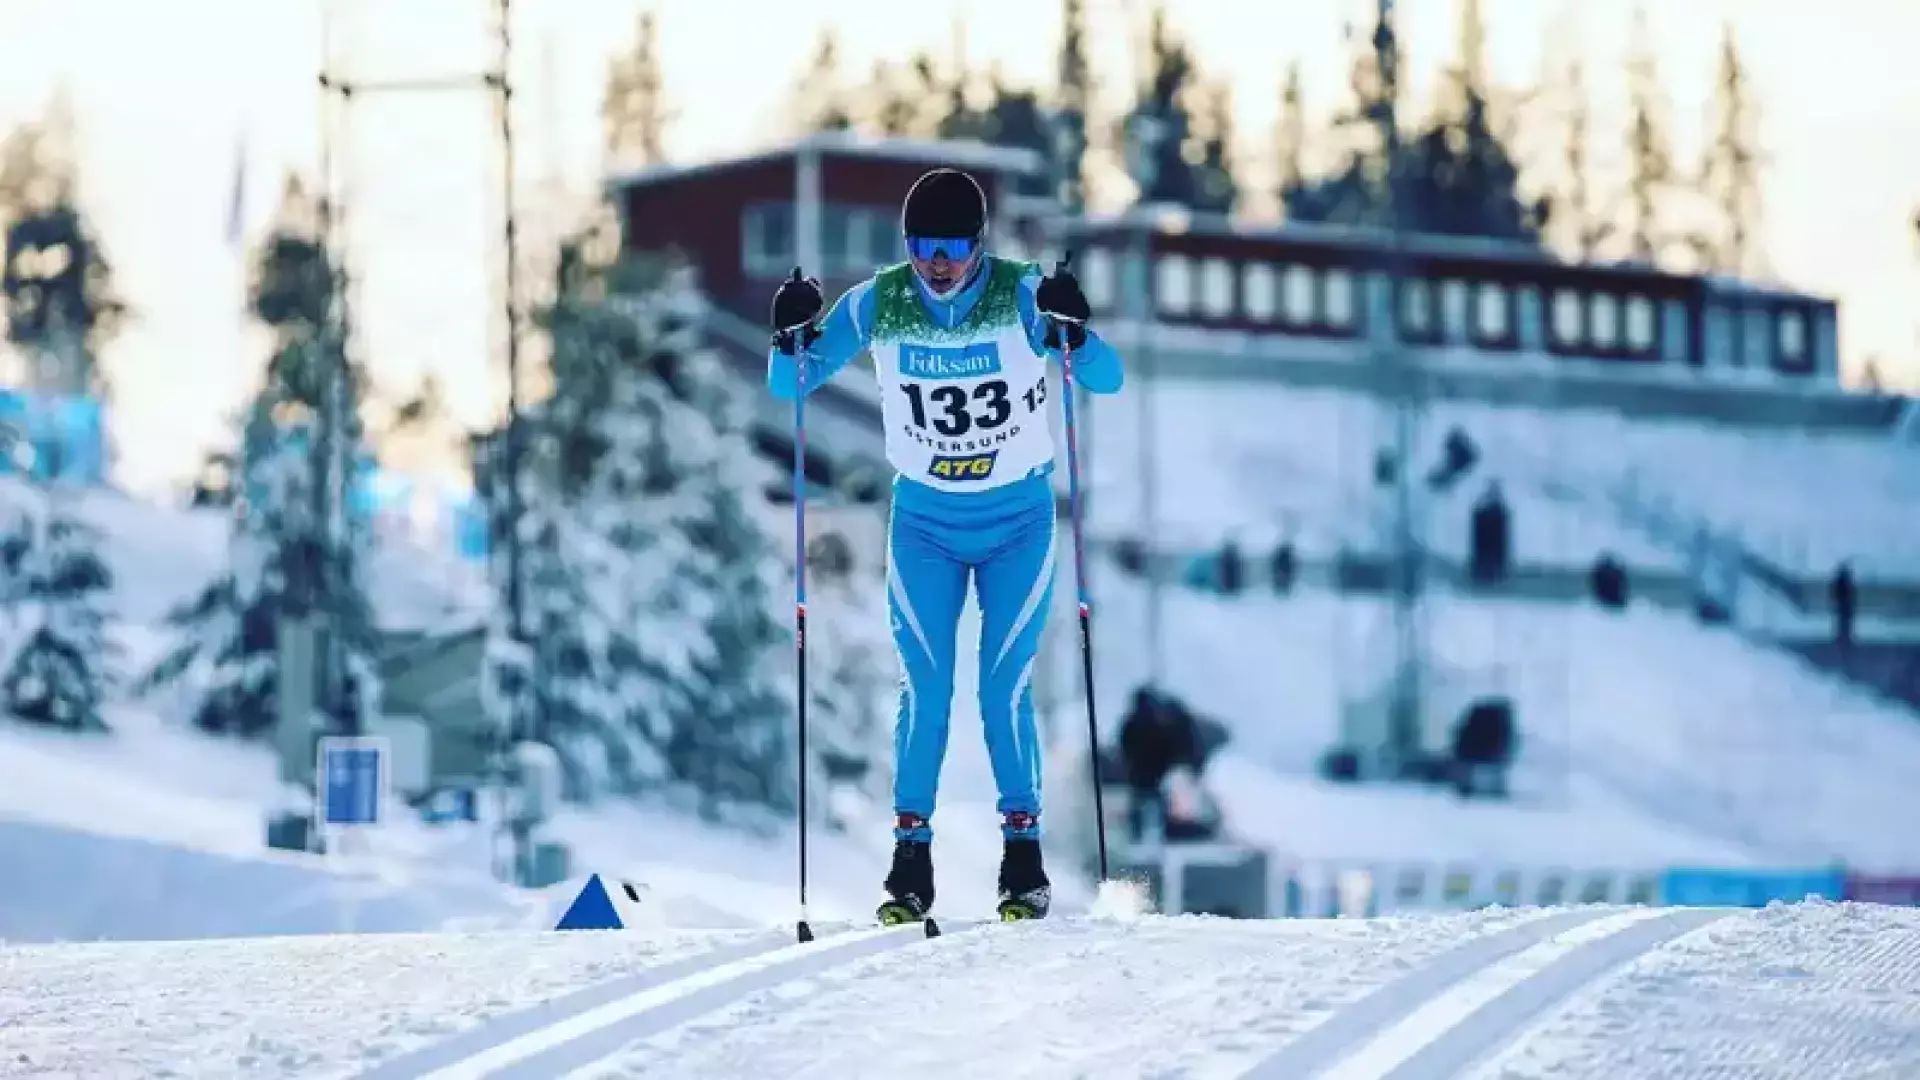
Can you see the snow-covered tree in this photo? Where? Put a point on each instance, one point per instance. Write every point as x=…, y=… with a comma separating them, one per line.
x=294, y=549
x=57, y=288
x=660, y=653
x=59, y=662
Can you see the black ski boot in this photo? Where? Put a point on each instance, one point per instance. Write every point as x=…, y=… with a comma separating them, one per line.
x=909, y=882
x=1025, y=892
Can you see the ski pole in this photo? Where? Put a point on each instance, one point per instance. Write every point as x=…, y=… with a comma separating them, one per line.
x=1080, y=575
x=800, y=606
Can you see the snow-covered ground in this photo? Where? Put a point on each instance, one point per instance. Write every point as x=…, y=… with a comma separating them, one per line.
x=1792, y=992
x=1646, y=741
x=175, y=820
x=1269, y=458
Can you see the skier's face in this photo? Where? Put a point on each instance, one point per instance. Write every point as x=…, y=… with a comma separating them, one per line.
x=943, y=262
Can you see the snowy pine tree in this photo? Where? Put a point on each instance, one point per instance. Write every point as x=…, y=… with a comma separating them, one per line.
x=59, y=661
x=291, y=553
x=663, y=655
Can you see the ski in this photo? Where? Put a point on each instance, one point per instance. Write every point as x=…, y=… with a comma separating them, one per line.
x=897, y=913
x=1016, y=911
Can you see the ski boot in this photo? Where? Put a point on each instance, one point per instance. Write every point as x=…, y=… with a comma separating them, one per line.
x=1025, y=892
x=909, y=882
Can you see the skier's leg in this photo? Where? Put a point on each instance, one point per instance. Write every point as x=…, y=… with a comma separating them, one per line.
x=1015, y=585
x=926, y=588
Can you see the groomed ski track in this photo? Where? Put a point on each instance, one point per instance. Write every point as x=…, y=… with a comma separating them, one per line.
x=1813, y=990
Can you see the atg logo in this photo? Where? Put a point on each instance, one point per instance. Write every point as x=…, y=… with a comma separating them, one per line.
x=927, y=362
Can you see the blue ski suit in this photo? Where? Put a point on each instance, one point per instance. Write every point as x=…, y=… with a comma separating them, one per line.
x=965, y=404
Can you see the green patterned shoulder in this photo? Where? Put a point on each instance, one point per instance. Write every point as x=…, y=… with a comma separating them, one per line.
x=899, y=315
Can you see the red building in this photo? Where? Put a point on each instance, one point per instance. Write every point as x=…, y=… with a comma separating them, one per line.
x=1224, y=299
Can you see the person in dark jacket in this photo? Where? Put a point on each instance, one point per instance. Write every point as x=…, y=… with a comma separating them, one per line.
x=1844, y=599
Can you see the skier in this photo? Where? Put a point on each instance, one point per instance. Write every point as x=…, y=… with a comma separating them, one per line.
x=960, y=341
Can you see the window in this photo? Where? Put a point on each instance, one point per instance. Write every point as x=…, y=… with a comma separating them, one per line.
x=1296, y=296
x=1257, y=285
x=1416, y=308
x=1603, y=328
x=1173, y=285
x=861, y=241
x=1757, y=337
x=837, y=252
x=884, y=246
x=1641, y=332
x=1453, y=309
x=1568, y=319
x=767, y=239
x=1791, y=332
x=1216, y=288
x=1339, y=308
x=1097, y=277
x=1492, y=313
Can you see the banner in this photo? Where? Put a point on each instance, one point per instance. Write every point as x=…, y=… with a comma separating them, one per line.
x=1869, y=889
x=1701, y=887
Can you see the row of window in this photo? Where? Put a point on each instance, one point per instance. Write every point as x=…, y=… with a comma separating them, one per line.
x=1332, y=300
x=853, y=239
x=1489, y=314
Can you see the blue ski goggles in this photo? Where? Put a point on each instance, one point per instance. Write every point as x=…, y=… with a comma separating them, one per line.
x=956, y=249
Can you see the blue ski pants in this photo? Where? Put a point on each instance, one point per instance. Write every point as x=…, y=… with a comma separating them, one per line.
x=1000, y=541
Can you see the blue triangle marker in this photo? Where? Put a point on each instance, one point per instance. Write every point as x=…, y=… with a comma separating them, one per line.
x=592, y=910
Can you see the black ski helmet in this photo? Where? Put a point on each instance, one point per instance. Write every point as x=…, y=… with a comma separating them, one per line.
x=946, y=203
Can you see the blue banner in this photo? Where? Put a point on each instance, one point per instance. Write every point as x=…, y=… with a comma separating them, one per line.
x=1700, y=887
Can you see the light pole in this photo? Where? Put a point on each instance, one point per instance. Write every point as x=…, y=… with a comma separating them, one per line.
x=497, y=83
x=1405, y=709
x=1145, y=132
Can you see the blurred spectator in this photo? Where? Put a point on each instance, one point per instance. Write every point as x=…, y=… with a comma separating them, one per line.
x=1457, y=457
x=1483, y=745
x=1131, y=554
x=1491, y=529
x=1609, y=580
x=1844, y=598
x=1158, y=736
x=1232, y=568
x=1285, y=566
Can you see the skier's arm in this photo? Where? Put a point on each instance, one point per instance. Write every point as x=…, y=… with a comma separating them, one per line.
x=1096, y=365
x=843, y=334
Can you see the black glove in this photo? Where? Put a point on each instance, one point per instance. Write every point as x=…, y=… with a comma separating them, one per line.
x=796, y=304
x=1065, y=307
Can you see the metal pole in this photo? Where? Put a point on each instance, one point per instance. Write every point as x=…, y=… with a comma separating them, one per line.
x=516, y=598
x=509, y=470
x=1148, y=446
x=1143, y=138
x=1404, y=716
x=331, y=337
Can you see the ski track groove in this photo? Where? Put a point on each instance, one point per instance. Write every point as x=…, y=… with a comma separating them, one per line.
x=538, y=1044
x=1333, y=1039
x=1826, y=990
x=1076, y=998
x=1468, y=1004
x=1508, y=1017
x=458, y=1048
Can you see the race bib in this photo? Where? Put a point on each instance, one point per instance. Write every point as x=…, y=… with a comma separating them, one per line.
x=966, y=407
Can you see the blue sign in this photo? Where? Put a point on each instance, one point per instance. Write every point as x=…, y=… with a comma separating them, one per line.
x=931, y=362
x=51, y=435
x=352, y=782
x=1689, y=887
